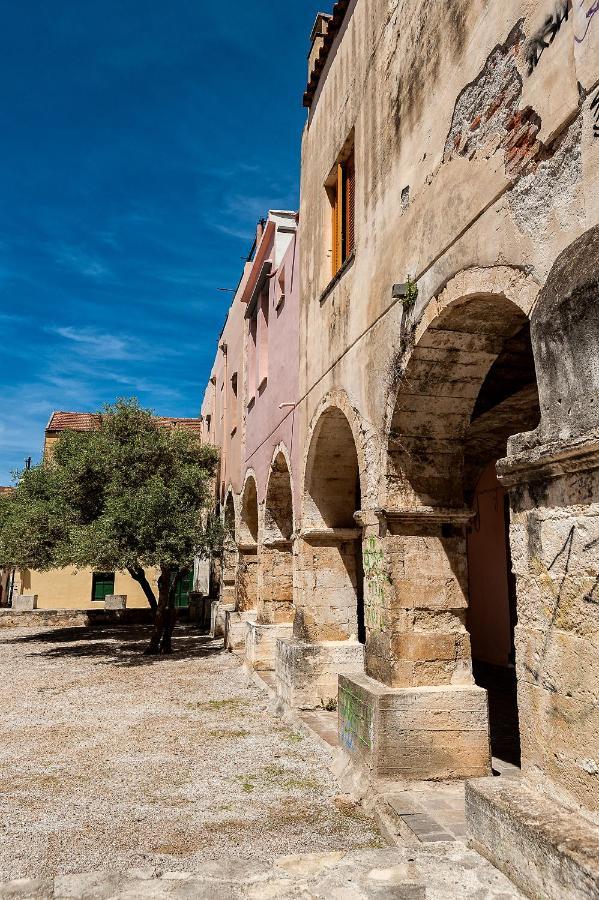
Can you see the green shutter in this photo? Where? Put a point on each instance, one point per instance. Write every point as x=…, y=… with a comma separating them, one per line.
x=182, y=589
x=102, y=585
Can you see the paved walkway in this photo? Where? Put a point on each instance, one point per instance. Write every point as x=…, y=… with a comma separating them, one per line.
x=439, y=873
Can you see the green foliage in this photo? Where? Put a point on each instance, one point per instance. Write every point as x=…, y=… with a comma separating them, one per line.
x=130, y=495
x=412, y=292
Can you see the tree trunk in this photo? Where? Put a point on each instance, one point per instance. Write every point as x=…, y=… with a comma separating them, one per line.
x=162, y=616
x=139, y=575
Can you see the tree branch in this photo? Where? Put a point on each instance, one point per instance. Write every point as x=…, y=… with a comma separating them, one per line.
x=138, y=574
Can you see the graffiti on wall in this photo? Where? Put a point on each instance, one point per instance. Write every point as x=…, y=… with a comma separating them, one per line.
x=375, y=579
x=595, y=112
x=355, y=721
x=584, y=14
x=546, y=34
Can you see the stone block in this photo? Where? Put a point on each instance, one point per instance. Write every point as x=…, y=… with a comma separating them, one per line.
x=24, y=602
x=261, y=644
x=115, y=601
x=546, y=849
x=217, y=617
x=435, y=733
x=307, y=673
x=235, y=628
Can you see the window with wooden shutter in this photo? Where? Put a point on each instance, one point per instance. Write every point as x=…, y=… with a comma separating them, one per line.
x=342, y=192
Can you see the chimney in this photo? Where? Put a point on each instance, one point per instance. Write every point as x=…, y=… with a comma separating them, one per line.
x=317, y=39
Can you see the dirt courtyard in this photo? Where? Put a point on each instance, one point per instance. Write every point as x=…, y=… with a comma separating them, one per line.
x=112, y=760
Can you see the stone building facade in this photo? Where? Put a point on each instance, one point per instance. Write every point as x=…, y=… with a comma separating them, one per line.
x=445, y=538
x=249, y=412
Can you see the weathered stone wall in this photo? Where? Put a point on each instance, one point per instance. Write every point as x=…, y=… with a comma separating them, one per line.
x=555, y=548
x=69, y=618
x=476, y=156
x=246, y=582
x=553, y=474
x=326, y=588
x=275, y=584
x=453, y=171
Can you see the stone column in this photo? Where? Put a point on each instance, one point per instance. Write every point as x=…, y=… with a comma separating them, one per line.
x=275, y=610
x=325, y=641
x=246, y=598
x=415, y=713
x=226, y=600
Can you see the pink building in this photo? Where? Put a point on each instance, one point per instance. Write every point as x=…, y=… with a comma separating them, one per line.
x=249, y=412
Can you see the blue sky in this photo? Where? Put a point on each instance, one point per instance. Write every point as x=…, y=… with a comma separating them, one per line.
x=140, y=142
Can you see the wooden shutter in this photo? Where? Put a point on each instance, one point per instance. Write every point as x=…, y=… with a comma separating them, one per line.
x=350, y=202
x=334, y=260
x=338, y=221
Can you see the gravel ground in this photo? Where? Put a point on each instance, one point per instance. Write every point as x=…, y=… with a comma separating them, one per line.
x=111, y=760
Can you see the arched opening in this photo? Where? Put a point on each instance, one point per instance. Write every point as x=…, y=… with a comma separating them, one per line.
x=229, y=556
x=275, y=575
x=330, y=571
x=507, y=403
x=247, y=546
x=248, y=524
x=469, y=385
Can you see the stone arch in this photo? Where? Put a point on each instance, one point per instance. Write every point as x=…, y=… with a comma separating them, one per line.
x=246, y=588
x=471, y=334
x=565, y=335
x=229, y=555
x=468, y=384
x=330, y=577
x=279, y=518
x=248, y=512
x=336, y=417
x=275, y=570
x=229, y=514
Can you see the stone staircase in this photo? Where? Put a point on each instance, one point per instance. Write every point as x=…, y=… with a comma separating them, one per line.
x=441, y=871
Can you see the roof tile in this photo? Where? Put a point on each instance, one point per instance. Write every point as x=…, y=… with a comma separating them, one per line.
x=74, y=421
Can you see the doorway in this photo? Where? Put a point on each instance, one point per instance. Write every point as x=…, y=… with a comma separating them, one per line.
x=492, y=613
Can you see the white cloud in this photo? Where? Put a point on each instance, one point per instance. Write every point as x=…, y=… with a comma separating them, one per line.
x=96, y=343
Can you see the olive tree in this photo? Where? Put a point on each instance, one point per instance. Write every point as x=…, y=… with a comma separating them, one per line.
x=132, y=494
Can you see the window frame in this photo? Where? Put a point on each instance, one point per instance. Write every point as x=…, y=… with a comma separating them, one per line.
x=102, y=578
x=340, y=187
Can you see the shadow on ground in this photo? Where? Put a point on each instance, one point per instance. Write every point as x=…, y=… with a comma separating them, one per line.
x=120, y=645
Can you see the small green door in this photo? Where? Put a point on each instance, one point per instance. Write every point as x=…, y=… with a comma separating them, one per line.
x=102, y=585
x=182, y=589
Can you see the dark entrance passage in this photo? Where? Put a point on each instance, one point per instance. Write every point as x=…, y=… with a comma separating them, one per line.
x=492, y=613
x=506, y=404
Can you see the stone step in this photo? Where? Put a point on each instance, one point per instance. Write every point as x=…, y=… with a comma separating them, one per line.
x=550, y=851
x=437, y=872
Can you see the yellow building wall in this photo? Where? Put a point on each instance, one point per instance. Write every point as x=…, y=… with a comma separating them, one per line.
x=70, y=588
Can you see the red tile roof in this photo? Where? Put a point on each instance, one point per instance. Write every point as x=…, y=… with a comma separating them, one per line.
x=6, y=490
x=73, y=421
x=335, y=22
